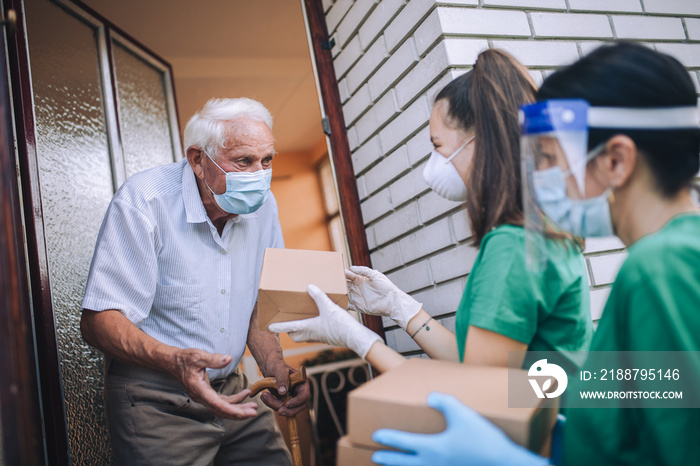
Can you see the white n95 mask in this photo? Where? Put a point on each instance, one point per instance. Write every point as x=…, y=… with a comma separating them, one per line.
x=442, y=176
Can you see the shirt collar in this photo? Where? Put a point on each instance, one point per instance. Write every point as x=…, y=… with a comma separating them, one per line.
x=194, y=207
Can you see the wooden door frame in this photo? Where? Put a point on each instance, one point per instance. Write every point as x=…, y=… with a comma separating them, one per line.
x=340, y=149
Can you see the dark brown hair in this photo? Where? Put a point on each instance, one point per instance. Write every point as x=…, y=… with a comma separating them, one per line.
x=487, y=99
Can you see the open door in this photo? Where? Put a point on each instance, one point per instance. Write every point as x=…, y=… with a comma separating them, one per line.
x=91, y=107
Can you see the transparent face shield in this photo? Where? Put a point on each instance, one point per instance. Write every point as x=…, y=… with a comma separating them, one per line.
x=555, y=157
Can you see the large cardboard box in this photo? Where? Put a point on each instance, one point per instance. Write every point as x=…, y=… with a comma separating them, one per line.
x=348, y=454
x=282, y=294
x=397, y=400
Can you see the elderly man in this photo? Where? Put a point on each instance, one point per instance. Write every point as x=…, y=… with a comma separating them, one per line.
x=170, y=300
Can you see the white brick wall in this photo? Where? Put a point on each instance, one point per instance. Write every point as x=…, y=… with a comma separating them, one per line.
x=392, y=56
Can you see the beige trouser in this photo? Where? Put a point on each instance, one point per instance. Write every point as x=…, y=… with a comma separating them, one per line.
x=152, y=421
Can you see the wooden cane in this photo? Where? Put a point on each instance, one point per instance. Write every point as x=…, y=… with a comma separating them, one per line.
x=269, y=383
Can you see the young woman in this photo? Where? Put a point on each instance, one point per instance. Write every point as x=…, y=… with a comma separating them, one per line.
x=621, y=157
x=474, y=130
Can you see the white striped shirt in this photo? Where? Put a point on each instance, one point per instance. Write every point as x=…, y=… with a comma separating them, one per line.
x=161, y=262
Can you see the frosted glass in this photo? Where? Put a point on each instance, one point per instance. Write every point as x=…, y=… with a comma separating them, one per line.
x=143, y=112
x=76, y=187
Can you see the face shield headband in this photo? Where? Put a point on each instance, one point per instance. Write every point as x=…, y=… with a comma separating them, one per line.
x=554, y=155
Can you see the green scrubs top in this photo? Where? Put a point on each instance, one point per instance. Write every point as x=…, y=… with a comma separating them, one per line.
x=548, y=311
x=654, y=305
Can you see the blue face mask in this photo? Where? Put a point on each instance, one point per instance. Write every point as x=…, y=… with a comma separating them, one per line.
x=245, y=191
x=580, y=217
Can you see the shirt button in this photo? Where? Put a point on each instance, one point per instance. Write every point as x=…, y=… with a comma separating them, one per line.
x=223, y=291
x=223, y=330
x=224, y=252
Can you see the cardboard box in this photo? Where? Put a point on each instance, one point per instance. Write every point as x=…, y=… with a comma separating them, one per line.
x=348, y=454
x=397, y=400
x=286, y=273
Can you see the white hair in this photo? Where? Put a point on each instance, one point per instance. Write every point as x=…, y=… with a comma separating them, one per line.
x=206, y=128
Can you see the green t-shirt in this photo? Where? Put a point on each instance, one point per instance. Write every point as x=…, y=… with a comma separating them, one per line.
x=548, y=311
x=654, y=305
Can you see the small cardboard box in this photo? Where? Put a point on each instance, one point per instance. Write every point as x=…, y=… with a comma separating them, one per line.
x=348, y=454
x=282, y=294
x=397, y=400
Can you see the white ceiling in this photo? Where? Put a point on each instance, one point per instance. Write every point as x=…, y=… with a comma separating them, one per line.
x=231, y=48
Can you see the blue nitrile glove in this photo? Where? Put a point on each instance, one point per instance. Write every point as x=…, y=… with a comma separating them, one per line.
x=557, y=457
x=469, y=439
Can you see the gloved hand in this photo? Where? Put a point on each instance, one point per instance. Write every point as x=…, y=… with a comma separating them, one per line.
x=333, y=326
x=469, y=439
x=370, y=292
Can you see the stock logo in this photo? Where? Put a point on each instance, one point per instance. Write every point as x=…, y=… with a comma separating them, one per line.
x=541, y=369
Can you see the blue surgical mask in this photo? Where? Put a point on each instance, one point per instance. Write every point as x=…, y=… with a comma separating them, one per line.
x=245, y=191
x=581, y=217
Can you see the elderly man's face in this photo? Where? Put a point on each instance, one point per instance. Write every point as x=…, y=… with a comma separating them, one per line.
x=249, y=147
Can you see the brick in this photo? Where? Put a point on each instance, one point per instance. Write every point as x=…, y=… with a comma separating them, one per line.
x=406, y=21
x=460, y=223
x=353, y=19
x=693, y=27
x=449, y=323
x=450, y=52
x=696, y=83
x=336, y=49
x=426, y=240
x=626, y=6
x=347, y=57
x=688, y=54
x=598, y=299
x=400, y=222
x=672, y=7
x=648, y=27
x=357, y=105
x=608, y=243
x=327, y=4
x=453, y=263
x=366, y=155
x=527, y=4
x=419, y=146
x=587, y=47
x=483, y=22
x=398, y=64
x=404, y=125
x=387, y=170
x=376, y=206
x=537, y=77
x=371, y=238
x=380, y=17
x=408, y=187
x=412, y=278
x=362, y=189
x=381, y=112
x=365, y=66
x=432, y=206
x=336, y=14
x=428, y=32
x=442, y=299
x=459, y=2
x=539, y=53
x=352, y=139
x=558, y=25
x=444, y=81
x=404, y=342
x=605, y=267
x=387, y=258
x=343, y=91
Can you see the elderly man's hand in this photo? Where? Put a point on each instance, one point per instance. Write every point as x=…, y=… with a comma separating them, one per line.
x=301, y=392
x=190, y=366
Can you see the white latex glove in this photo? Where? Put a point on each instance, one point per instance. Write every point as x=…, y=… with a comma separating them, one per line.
x=333, y=326
x=370, y=292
